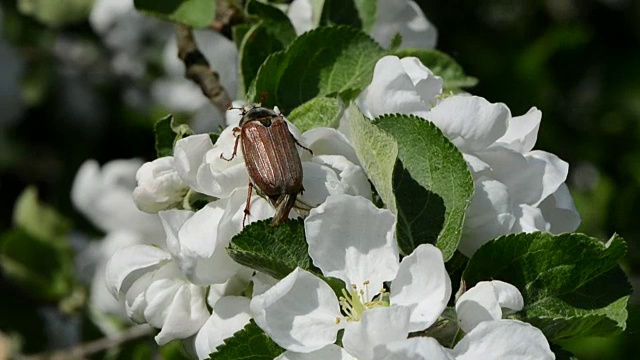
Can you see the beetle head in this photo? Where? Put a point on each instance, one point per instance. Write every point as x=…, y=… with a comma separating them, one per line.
x=257, y=113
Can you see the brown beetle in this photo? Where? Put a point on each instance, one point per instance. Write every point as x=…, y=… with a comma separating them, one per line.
x=271, y=158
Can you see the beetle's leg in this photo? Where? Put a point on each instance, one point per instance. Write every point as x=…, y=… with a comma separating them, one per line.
x=248, y=205
x=302, y=146
x=235, y=147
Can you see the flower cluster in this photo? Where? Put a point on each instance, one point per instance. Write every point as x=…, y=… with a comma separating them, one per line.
x=517, y=189
x=184, y=282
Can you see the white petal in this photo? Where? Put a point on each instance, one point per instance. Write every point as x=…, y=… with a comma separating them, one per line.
x=189, y=154
x=470, y=122
x=229, y=315
x=329, y=352
x=234, y=114
x=391, y=91
x=503, y=340
x=300, y=13
x=349, y=238
x=231, y=221
x=427, y=84
x=328, y=141
x=530, y=178
x=422, y=284
x=353, y=179
x=522, y=133
x=104, y=196
x=299, y=313
x=128, y=262
x=407, y=19
x=262, y=282
x=202, y=257
x=331, y=175
x=185, y=315
x=416, y=348
x=560, y=211
x=486, y=301
x=378, y=326
x=529, y=219
x=159, y=186
x=489, y=215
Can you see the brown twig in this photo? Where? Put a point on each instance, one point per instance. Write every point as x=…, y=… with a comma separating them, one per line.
x=198, y=70
x=87, y=349
x=228, y=14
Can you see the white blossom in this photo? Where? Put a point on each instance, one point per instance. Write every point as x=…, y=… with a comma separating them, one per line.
x=159, y=186
x=352, y=240
x=486, y=301
x=104, y=196
x=393, y=17
x=499, y=340
x=517, y=189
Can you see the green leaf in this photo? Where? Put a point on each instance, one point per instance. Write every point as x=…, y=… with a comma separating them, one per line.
x=272, y=33
x=56, y=13
x=571, y=283
x=429, y=185
x=40, y=220
x=442, y=65
x=340, y=12
x=196, y=13
x=249, y=343
x=367, y=10
x=275, y=250
x=317, y=112
x=168, y=131
x=328, y=60
x=42, y=267
x=377, y=152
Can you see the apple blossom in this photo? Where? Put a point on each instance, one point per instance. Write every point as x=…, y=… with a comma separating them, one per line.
x=103, y=195
x=350, y=239
x=159, y=186
x=393, y=17
x=500, y=340
x=517, y=189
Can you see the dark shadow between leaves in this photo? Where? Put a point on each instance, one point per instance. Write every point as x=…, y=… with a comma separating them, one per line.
x=421, y=212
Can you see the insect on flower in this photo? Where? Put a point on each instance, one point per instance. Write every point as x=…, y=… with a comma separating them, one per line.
x=271, y=158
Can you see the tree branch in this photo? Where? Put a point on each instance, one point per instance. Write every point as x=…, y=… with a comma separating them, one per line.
x=85, y=350
x=197, y=69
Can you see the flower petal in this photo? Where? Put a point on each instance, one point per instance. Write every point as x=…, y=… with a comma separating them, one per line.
x=391, y=91
x=329, y=352
x=485, y=301
x=378, y=326
x=416, y=348
x=128, y=262
x=503, y=340
x=328, y=141
x=404, y=18
x=299, y=313
x=349, y=238
x=422, y=284
x=229, y=315
x=188, y=156
x=488, y=216
x=470, y=122
x=522, y=133
x=560, y=211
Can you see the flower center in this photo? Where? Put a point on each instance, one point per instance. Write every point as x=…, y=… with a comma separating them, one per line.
x=355, y=301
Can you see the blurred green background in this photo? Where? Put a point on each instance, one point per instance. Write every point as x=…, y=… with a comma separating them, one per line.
x=577, y=61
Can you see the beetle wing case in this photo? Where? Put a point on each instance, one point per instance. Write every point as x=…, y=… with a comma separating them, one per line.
x=272, y=159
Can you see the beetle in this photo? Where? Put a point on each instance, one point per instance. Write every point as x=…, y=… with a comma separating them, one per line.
x=271, y=158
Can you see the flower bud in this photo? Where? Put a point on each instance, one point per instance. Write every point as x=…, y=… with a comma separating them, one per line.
x=159, y=186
